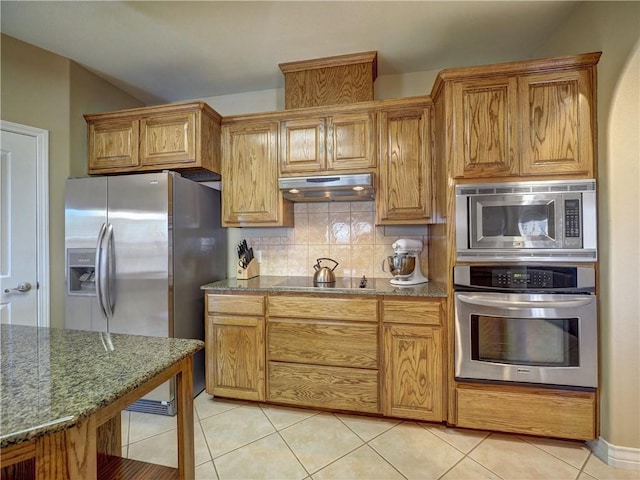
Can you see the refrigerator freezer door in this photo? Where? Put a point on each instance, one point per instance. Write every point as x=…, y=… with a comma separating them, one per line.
x=85, y=213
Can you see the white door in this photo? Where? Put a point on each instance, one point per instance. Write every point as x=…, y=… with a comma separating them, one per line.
x=23, y=234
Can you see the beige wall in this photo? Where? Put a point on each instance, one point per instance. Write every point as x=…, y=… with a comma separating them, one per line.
x=44, y=90
x=613, y=28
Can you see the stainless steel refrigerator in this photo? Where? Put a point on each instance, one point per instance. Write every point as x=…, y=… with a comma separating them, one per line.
x=138, y=248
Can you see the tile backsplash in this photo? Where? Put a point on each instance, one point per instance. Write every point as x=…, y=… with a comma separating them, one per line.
x=343, y=231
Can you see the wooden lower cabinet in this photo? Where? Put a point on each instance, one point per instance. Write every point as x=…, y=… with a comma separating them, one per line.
x=413, y=384
x=235, y=346
x=528, y=410
x=323, y=352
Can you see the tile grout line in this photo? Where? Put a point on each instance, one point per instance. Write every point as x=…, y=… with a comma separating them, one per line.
x=366, y=442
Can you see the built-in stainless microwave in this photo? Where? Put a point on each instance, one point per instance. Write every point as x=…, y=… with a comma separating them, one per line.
x=527, y=221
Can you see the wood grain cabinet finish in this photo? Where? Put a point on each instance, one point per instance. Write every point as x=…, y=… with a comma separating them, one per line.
x=235, y=346
x=182, y=136
x=533, y=411
x=413, y=360
x=302, y=145
x=486, y=133
x=556, y=114
x=250, y=195
x=323, y=352
x=317, y=145
x=404, y=184
x=518, y=126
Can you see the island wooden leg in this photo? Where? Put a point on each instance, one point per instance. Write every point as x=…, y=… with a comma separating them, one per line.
x=184, y=397
x=69, y=455
x=110, y=437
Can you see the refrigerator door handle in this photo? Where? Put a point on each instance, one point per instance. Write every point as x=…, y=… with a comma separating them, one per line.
x=110, y=272
x=99, y=267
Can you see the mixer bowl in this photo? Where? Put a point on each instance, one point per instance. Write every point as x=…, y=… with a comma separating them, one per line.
x=401, y=265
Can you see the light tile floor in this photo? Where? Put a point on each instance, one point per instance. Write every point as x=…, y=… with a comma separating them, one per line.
x=244, y=440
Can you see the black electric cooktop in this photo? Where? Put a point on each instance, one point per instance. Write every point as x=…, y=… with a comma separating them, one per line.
x=341, y=283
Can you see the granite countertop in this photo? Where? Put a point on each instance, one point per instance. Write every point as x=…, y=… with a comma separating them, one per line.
x=344, y=286
x=54, y=378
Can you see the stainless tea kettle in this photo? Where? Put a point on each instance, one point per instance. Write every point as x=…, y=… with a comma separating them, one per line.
x=324, y=274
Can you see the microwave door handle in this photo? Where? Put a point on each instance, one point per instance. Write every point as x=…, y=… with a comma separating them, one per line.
x=580, y=301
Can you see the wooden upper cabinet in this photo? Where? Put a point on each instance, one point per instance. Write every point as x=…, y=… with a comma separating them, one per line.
x=404, y=184
x=351, y=141
x=113, y=144
x=486, y=138
x=182, y=136
x=168, y=139
x=521, y=119
x=312, y=145
x=302, y=145
x=250, y=194
x=557, y=131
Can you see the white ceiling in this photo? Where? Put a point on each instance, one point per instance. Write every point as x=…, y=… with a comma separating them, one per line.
x=170, y=51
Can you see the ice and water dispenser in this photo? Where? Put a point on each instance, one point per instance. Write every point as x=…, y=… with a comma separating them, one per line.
x=82, y=272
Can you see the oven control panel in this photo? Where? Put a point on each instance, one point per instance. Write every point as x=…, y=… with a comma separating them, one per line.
x=509, y=278
x=522, y=279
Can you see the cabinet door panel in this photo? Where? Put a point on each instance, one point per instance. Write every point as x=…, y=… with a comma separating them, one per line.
x=250, y=194
x=236, y=365
x=351, y=142
x=113, y=145
x=404, y=193
x=302, y=144
x=413, y=372
x=168, y=139
x=486, y=129
x=556, y=120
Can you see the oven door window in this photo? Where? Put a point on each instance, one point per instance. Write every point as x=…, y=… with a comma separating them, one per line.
x=525, y=341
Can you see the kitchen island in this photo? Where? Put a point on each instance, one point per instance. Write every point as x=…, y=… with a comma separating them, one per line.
x=62, y=394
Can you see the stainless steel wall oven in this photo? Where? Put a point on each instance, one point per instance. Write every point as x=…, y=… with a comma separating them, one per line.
x=526, y=324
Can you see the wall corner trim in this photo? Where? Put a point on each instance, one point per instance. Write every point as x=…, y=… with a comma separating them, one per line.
x=619, y=457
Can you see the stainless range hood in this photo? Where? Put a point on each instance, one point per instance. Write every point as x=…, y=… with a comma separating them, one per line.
x=334, y=188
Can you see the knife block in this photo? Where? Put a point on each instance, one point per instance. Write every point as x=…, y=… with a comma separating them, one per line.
x=250, y=271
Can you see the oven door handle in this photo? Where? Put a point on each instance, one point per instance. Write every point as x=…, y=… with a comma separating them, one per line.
x=579, y=301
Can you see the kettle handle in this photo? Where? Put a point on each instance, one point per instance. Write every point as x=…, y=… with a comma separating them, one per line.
x=330, y=259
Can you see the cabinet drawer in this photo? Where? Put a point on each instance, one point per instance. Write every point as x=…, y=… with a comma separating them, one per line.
x=405, y=311
x=533, y=412
x=323, y=343
x=353, y=309
x=323, y=387
x=236, y=304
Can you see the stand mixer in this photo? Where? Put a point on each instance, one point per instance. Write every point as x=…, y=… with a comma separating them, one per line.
x=405, y=264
